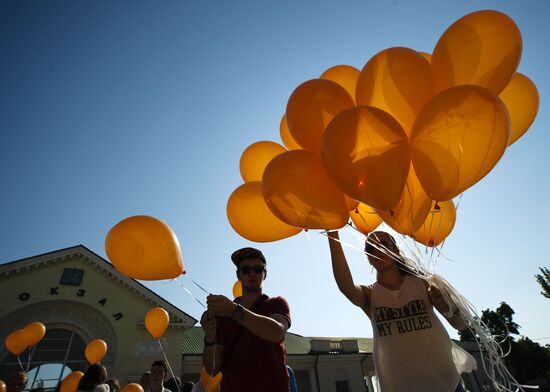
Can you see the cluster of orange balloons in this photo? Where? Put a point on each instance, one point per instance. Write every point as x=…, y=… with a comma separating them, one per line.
x=394, y=142
x=144, y=247
x=20, y=339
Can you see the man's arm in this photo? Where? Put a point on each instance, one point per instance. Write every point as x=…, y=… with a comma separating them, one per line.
x=342, y=274
x=272, y=328
x=212, y=355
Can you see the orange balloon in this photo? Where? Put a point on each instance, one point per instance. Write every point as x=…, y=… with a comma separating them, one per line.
x=95, y=351
x=457, y=139
x=70, y=383
x=522, y=100
x=2, y=386
x=345, y=75
x=237, y=289
x=365, y=219
x=286, y=137
x=143, y=247
x=156, y=321
x=33, y=333
x=398, y=81
x=481, y=48
x=366, y=153
x=311, y=107
x=413, y=207
x=298, y=191
x=15, y=342
x=438, y=224
x=256, y=157
x=252, y=219
x=427, y=56
x=132, y=387
x=351, y=203
x=209, y=383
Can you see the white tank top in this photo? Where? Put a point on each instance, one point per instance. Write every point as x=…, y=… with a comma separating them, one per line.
x=412, y=349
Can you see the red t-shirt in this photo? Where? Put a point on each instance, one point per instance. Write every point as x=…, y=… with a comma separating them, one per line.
x=255, y=364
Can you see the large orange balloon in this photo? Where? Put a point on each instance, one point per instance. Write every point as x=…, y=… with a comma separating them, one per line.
x=522, y=100
x=286, y=137
x=365, y=219
x=209, y=383
x=250, y=216
x=345, y=75
x=457, y=139
x=398, y=81
x=413, y=207
x=311, y=107
x=33, y=333
x=132, y=387
x=70, y=383
x=481, y=48
x=366, y=153
x=237, y=289
x=156, y=321
x=95, y=351
x=256, y=157
x=438, y=224
x=298, y=191
x=15, y=342
x=143, y=247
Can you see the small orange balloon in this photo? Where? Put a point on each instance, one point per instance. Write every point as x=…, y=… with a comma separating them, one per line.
x=522, y=100
x=413, y=207
x=345, y=75
x=286, y=137
x=143, y=247
x=252, y=219
x=311, y=106
x=70, y=383
x=256, y=157
x=366, y=153
x=365, y=219
x=156, y=321
x=398, y=81
x=237, y=289
x=132, y=387
x=34, y=332
x=95, y=351
x=299, y=192
x=458, y=137
x=481, y=48
x=209, y=383
x=15, y=342
x=438, y=224
x=2, y=386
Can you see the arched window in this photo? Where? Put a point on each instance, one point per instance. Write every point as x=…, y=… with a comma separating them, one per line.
x=341, y=380
x=59, y=353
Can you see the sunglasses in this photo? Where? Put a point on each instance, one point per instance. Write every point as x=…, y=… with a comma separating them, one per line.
x=246, y=269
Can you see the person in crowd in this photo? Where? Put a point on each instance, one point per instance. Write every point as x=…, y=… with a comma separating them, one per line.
x=94, y=379
x=114, y=384
x=173, y=384
x=159, y=370
x=145, y=381
x=17, y=382
x=244, y=338
x=412, y=350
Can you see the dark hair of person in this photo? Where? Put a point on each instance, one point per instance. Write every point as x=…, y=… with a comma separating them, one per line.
x=173, y=384
x=187, y=386
x=393, y=252
x=114, y=385
x=160, y=363
x=94, y=375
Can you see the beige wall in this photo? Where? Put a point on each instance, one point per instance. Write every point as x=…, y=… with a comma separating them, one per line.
x=92, y=310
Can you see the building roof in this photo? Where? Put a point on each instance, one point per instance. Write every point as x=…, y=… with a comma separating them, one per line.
x=193, y=342
x=41, y=261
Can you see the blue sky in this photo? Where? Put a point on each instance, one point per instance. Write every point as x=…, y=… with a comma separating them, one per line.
x=119, y=108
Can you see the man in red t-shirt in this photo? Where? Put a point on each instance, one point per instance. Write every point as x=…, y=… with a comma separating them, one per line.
x=244, y=338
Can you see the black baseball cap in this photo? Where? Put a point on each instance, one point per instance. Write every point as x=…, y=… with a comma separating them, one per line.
x=247, y=253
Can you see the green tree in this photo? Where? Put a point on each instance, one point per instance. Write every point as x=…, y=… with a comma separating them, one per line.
x=544, y=281
x=500, y=322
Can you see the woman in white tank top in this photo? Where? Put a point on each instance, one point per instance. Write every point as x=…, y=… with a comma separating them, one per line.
x=412, y=350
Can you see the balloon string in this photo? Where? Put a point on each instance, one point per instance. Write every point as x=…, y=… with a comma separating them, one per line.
x=168, y=363
x=29, y=360
x=190, y=293
x=198, y=285
x=20, y=364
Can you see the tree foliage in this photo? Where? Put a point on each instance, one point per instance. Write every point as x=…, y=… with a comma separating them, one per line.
x=544, y=281
x=500, y=322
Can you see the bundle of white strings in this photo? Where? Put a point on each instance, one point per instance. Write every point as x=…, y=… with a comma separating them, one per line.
x=491, y=352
